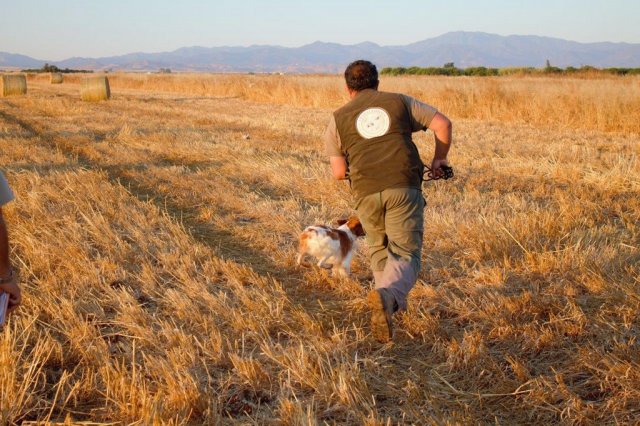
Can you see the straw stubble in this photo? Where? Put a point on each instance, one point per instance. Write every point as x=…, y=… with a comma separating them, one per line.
x=165, y=289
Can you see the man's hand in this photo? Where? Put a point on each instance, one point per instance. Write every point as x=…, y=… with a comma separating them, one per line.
x=12, y=288
x=436, y=169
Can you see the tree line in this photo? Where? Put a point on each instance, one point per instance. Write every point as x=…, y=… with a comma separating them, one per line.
x=449, y=69
x=53, y=68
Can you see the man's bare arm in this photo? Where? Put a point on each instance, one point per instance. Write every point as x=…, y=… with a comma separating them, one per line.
x=442, y=130
x=338, y=167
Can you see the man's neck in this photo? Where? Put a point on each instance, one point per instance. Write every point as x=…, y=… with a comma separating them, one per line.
x=354, y=93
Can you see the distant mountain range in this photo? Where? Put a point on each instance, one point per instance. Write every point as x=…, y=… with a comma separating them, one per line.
x=464, y=49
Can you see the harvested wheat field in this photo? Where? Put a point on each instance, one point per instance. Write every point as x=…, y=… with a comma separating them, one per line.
x=155, y=236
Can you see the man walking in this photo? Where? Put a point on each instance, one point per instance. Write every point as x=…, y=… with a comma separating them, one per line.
x=8, y=280
x=369, y=142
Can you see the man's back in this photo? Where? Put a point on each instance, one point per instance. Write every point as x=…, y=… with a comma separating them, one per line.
x=375, y=132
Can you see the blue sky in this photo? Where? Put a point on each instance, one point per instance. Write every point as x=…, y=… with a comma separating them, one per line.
x=58, y=29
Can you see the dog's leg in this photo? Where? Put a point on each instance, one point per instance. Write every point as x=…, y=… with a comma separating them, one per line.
x=346, y=270
x=322, y=265
x=339, y=271
x=346, y=264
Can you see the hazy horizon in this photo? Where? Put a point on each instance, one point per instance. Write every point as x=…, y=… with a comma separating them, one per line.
x=74, y=28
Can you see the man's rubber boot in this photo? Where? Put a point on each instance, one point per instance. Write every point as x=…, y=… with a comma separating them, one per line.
x=381, y=310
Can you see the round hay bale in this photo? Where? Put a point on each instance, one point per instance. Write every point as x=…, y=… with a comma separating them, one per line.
x=56, y=78
x=13, y=84
x=95, y=89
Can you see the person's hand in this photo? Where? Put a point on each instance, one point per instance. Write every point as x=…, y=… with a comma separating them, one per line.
x=12, y=288
x=436, y=165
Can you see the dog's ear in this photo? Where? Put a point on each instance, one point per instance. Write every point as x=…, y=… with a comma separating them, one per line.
x=356, y=226
x=359, y=230
x=341, y=222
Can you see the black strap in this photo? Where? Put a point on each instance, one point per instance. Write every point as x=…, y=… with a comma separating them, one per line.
x=447, y=173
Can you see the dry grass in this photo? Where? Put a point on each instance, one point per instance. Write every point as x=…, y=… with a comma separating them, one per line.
x=609, y=104
x=156, y=248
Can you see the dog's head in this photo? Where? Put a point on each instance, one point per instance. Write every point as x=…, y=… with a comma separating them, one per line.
x=354, y=225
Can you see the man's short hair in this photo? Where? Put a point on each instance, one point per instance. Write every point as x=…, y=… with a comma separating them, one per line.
x=361, y=75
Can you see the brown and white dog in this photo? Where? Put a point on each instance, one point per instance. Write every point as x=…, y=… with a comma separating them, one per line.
x=334, y=245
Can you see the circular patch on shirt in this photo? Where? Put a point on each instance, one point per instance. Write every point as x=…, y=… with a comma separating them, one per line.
x=373, y=122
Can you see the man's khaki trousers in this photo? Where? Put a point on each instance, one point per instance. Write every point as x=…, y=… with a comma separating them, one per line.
x=394, y=223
